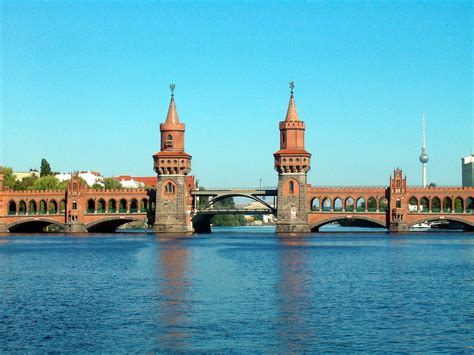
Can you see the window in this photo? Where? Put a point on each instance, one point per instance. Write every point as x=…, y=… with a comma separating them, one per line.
x=74, y=205
x=169, y=141
x=283, y=137
x=292, y=187
x=399, y=203
x=169, y=188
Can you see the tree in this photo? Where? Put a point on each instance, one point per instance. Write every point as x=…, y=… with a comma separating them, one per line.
x=112, y=184
x=45, y=169
x=26, y=183
x=8, y=177
x=97, y=186
x=48, y=183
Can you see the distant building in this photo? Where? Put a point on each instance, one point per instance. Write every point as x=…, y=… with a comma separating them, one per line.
x=90, y=177
x=22, y=174
x=468, y=171
x=134, y=182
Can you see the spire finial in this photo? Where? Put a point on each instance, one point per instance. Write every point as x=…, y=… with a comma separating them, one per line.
x=172, y=87
x=292, y=87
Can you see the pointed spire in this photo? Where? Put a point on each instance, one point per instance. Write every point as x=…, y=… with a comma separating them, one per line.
x=292, y=114
x=172, y=116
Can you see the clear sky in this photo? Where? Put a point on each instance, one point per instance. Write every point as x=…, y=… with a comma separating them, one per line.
x=85, y=85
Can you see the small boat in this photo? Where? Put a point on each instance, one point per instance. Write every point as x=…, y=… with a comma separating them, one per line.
x=421, y=226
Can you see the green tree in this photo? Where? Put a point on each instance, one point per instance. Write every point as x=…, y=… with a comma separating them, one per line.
x=111, y=184
x=97, y=186
x=45, y=169
x=26, y=183
x=8, y=177
x=48, y=182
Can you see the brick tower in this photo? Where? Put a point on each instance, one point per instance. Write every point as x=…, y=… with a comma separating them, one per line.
x=172, y=164
x=398, y=202
x=292, y=162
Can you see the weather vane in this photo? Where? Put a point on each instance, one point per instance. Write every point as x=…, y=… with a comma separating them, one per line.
x=172, y=86
x=292, y=87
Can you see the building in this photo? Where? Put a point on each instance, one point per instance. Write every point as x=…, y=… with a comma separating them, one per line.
x=90, y=177
x=128, y=181
x=22, y=174
x=468, y=171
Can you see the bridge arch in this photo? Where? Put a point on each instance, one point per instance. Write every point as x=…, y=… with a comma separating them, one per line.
x=110, y=224
x=374, y=221
x=90, y=206
x=218, y=198
x=383, y=204
x=451, y=218
x=35, y=225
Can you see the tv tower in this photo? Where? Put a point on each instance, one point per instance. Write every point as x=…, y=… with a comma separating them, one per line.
x=424, y=156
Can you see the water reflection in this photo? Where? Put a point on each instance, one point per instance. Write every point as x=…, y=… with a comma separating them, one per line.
x=173, y=292
x=294, y=301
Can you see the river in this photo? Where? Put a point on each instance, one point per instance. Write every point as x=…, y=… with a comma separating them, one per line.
x=237, y=289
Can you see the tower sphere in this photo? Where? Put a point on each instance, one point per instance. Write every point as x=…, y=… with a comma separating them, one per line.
x=424, y=158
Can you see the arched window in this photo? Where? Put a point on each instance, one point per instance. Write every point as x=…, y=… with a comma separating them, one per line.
x=169, y=188
x=383, y=203
x=90, y=206
x=169, y=141
x=74, y=205
x=143, y=205
x=349, y=204
x=101, y=206
x=22, y=207
x=447, y=204
x=53, y=207
x=398, y=203
x=12, y=208
x=327, y=204
x=123, y=205
x=360, y=204
x=283, y=137
x=43, y=207
x=371, y=204
x=291, y=187
x=133, y=205
x=33, y=208
x=112, y=206
x=315, y=204
x=337, y=204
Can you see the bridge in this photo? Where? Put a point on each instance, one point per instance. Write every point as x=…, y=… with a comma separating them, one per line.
x=177, y=205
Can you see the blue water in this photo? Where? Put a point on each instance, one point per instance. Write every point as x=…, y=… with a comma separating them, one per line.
x=237, y=290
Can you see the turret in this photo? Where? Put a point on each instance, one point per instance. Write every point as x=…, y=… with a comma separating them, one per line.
x=292, y=156
x=172, y=164
x=172, y=159
x=292, y=162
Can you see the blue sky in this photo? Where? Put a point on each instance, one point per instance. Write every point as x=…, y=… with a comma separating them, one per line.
x=85, y=85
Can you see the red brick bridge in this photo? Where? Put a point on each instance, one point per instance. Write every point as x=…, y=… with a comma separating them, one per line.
x=171, y=205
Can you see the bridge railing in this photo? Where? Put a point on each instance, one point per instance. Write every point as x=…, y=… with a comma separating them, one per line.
x=258, y=188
